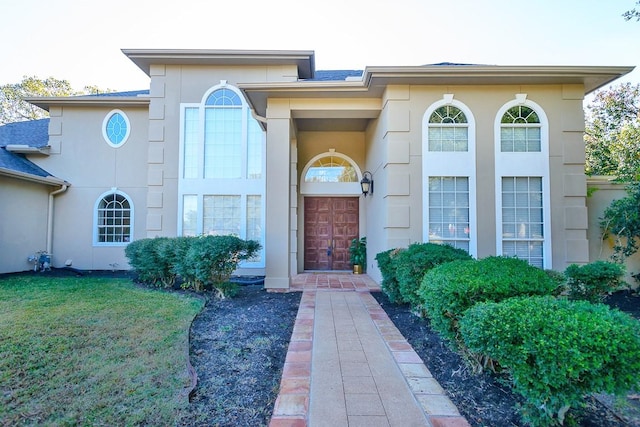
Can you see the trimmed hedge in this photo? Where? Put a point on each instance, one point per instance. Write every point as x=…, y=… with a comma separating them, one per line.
x=201, y=262
x=412, y=263
x=448, y=290
x=593, y=281
x=210, y=261
x=386, y=264
x=556, y=350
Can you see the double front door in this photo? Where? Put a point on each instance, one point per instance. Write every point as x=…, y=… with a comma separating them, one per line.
x=330, y=223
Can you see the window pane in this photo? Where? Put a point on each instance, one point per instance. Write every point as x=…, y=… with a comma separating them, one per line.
x=255, y=138
x=190, y=167
x=331, y=169
x=189, y=215
x=254, y=222
x=449, y=211
x=221, y=215
x=113, y=219
x=223, y=143
x=522, y=224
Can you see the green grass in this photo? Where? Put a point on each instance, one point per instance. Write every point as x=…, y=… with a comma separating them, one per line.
x=87, y=351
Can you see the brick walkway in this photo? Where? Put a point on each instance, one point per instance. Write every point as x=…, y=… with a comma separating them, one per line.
x=348, y=365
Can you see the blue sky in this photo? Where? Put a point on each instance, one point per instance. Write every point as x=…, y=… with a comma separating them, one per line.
x=80, y=40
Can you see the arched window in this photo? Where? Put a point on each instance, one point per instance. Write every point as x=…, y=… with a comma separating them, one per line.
x=448, y=130
x=331, y=173
x=522, y=182
x=113, y=219
x=449, y=177
x=331, y=169
x=222, y=184
x=520, y=130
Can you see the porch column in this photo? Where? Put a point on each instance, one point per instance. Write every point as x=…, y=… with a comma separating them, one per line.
x=277, y=203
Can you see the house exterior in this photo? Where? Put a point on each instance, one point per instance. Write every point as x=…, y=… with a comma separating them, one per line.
x=261, y=145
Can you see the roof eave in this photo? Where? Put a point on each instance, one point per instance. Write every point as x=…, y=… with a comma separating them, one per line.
x=144, y=58
x=27, y=149
x=47, y=180
x=89, y=101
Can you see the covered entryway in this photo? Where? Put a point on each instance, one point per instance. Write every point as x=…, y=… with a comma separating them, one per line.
x=330, y=223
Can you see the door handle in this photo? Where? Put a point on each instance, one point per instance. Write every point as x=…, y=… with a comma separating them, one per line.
x=329, y=247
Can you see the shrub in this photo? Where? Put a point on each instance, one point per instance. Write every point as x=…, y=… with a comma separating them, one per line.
x=450, y=289
x=156, y=260
x=172, y=251
x=210, y=261
x=556, y=350
x=593, y=281
x=144, y=258
x=386, y=264
x=412, y=264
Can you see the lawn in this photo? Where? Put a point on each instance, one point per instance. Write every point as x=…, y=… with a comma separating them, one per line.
x=92, y=351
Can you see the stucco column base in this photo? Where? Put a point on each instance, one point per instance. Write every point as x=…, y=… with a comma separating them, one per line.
x=277, y=282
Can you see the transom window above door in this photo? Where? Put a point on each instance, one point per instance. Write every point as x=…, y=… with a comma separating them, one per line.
x=331, y=169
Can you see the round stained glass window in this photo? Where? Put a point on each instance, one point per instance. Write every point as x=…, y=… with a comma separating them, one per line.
x=116, y=128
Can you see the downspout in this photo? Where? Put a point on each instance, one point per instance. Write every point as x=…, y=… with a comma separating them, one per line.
x=50, y=217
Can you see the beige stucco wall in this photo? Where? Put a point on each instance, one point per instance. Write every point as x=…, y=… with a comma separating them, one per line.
x=394, y=151
x=603, y=192
x=171, y=86
x=23, y=228
x=81, y=156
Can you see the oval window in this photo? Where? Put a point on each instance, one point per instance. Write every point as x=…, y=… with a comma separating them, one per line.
x=116, y=128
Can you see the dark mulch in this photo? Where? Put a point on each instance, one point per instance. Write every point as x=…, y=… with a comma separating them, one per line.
x=238, y=347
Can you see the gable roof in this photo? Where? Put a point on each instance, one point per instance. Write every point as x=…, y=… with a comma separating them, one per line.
x=32, y=134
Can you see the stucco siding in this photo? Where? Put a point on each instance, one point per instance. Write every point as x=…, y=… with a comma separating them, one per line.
x=23, y=229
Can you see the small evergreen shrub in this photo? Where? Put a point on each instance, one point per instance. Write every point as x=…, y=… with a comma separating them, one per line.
x=412, y=264
x=593, y=281
x=556, y=350
x=210, y=261
x=386, y=264
x=144, y=258
x=448, y=290
x=172, y=251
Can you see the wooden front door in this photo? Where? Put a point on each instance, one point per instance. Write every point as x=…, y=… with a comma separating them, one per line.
x=330, y=223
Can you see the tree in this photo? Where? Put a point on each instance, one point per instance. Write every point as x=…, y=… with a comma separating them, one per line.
x=13, y=107
x=633, y=13
x=612, y=134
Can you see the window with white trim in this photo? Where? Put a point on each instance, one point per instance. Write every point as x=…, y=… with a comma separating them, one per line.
x=449, y=174
x=522, y=219
x=113, y=219
x=522, y=182
x=449, y=211
x=222, y=184
x=116, y=128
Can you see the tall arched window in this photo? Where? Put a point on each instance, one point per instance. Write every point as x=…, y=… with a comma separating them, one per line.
x=113, y=219
x=222, y=183
x=449, y=178
x=522, y=182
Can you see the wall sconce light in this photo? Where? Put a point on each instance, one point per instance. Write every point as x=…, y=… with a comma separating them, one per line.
x=366, y=183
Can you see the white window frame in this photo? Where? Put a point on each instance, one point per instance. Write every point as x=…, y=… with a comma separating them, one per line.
x=450, y=164
x=524, y=164
x=201, y=187
x=331, y=188
x=96, y=206
x=104, y=128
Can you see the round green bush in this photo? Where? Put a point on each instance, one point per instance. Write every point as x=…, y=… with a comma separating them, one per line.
x=593, y=281
x=448, y=290
x=412, y=263
x=555, y=350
